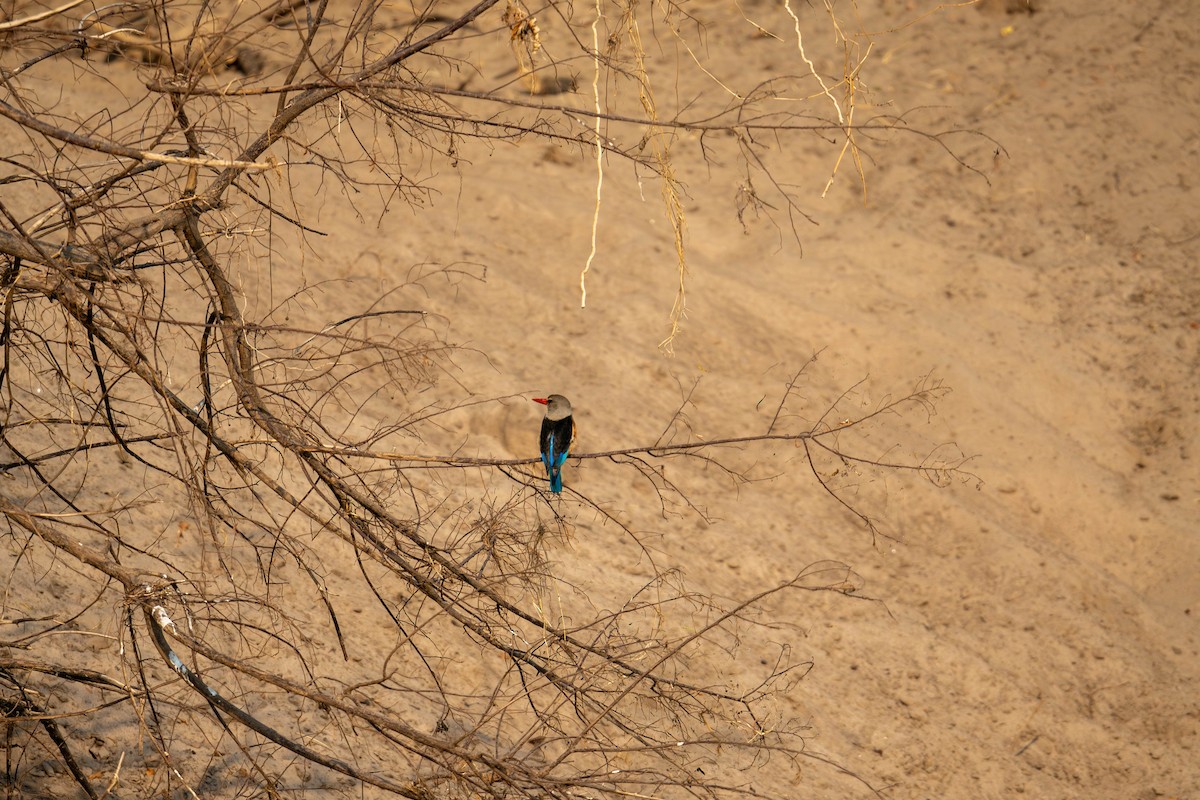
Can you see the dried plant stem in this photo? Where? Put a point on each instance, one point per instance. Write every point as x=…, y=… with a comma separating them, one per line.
x=599, y=151
x=787, y=4
x=660, y=148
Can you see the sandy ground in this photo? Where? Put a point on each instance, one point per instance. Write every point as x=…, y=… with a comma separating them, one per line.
x=1040, y=635
x=1037, y=625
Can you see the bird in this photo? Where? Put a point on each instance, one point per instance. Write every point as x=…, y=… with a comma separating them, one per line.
x=557, y=436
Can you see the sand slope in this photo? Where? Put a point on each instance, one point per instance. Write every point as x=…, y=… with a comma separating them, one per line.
x=1036, y=629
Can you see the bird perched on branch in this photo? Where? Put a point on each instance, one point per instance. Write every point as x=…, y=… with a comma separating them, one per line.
x=558, y=434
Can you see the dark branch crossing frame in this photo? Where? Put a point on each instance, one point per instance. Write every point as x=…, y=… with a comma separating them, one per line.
x=227, y=643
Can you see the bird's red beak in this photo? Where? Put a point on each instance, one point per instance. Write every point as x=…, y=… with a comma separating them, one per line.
x=541, y=400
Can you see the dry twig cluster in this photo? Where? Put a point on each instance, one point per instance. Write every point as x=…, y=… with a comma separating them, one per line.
x=186, y=487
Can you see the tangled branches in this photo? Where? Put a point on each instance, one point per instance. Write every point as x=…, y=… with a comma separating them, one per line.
x=199, y=499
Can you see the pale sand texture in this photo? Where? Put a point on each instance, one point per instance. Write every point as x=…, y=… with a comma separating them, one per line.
x=1038, y=630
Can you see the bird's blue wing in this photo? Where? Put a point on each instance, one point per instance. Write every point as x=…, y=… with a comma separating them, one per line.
x=555, y=454
x=554, y=458
x=556, y=440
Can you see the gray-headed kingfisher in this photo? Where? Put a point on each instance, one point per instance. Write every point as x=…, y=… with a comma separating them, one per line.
x=558, y=434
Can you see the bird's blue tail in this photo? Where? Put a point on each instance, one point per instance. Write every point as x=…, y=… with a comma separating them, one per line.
x=556, y=480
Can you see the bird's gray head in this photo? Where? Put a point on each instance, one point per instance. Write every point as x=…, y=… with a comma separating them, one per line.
x=557, y=406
